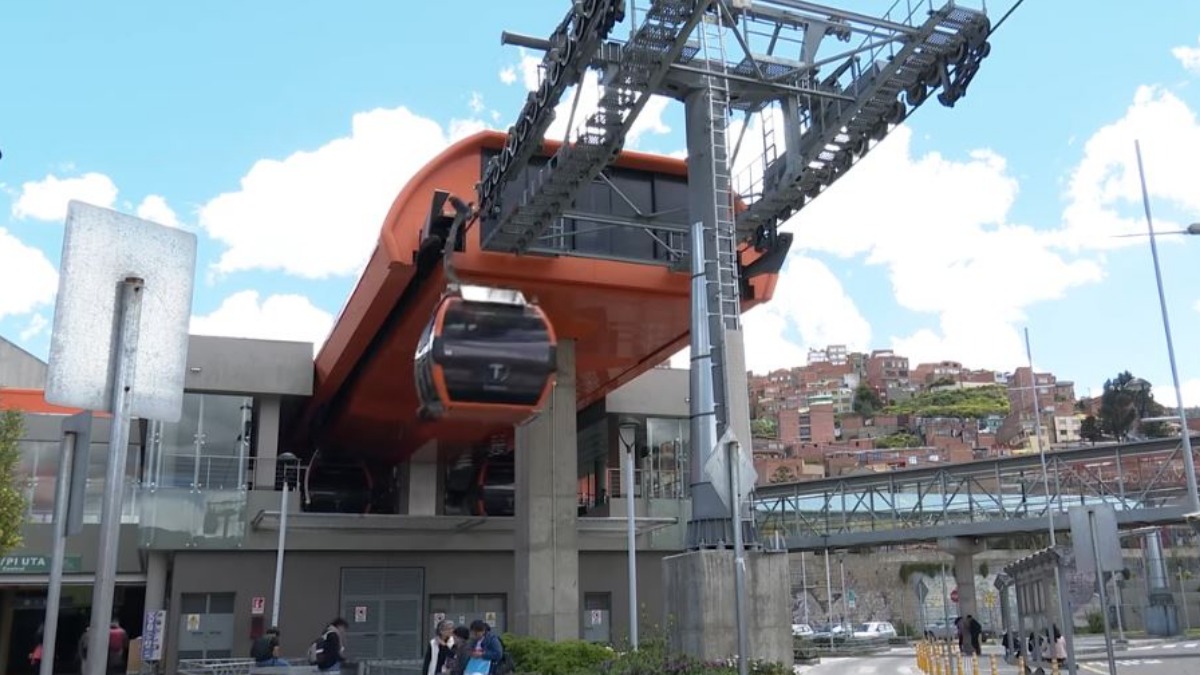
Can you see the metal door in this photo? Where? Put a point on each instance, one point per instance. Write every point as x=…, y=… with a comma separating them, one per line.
x=383, y=609
x=206, y=625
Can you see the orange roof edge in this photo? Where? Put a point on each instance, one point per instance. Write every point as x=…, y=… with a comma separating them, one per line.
x=34, y=401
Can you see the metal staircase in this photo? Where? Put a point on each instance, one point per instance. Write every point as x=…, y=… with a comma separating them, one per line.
x=642, y=64
x=943, y=51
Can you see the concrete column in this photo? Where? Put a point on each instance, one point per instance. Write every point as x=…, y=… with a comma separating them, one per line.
x=546, y=598
x=964, y=549
x=266, y=430
x=156, y=580
x=6, y=623
x=420, y=488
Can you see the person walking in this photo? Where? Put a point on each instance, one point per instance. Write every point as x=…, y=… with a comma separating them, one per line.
x=439, y=653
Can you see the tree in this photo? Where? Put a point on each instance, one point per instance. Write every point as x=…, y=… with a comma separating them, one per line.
x=1125, y=401
x=763, y=427
x=866, y=400
x=1089, y=430
x=12, y=499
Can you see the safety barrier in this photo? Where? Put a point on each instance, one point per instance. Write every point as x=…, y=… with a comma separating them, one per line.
x=936, y=658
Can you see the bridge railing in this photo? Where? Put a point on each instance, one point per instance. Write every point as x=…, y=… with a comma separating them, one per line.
x=1131, y=477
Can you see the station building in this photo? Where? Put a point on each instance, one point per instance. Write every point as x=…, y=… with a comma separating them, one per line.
x=200, y=527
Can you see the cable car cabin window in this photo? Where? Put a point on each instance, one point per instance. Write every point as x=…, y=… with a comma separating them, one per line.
x=494, y=353
x=424, y=367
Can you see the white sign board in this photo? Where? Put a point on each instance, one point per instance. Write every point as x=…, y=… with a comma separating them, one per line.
x=360, y=614
x=716, y=469
x=258, y=606
x=490, y=619
x=597, y=617
x=154, y=630
x=101, y=249
x=193, y=623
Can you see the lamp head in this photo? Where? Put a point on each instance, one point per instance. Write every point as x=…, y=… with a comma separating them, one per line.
x=627, y=430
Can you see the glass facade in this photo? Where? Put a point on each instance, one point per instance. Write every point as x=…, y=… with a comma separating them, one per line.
x=38, y=469
x=195, y=476
x=666, y=462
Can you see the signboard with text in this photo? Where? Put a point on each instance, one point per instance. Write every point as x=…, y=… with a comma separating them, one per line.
x=153, y=632
x=258, y=605
x=34, y=563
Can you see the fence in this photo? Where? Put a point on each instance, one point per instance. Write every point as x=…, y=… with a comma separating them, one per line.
x=247, y=667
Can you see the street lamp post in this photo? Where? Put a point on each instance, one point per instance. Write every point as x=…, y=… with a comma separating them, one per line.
x=627, y=430
x=288, y=461
x=1189, y=463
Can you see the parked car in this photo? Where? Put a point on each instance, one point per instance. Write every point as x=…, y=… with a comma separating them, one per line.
x=875, y=629
x=802, y=630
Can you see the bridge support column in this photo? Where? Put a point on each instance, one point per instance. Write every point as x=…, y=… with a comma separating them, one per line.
x=964, y=549
x=546, y=598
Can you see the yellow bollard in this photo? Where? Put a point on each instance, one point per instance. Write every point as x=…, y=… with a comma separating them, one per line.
x=1054, y=667
x=1021, y=665
x=996, y=665
x=962, y=664
x=975, y=664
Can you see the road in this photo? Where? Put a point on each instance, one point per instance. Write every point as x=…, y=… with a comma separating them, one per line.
x=1181, y=657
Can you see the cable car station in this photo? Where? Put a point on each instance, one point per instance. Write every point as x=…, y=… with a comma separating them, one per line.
x=455, y=442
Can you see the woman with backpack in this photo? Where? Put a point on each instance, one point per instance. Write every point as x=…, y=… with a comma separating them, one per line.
x=329, y=651
x=439, y=653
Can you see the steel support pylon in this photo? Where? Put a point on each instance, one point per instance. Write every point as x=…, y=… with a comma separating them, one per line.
x=718, y=402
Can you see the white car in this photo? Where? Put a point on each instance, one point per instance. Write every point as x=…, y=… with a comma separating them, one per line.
x=875, y=629
x=801, y=630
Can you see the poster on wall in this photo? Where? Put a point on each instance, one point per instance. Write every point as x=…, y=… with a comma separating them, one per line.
x=360, y=614
x=597, y=617
x=258, y=606
x=193, y=623
x=153, y=631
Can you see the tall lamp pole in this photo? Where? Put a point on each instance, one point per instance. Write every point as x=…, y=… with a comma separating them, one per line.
x=628, y=430
x=288, y=461
x=1189, y=463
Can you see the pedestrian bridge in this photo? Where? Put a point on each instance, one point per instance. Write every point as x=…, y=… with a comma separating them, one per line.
x=1143, y=481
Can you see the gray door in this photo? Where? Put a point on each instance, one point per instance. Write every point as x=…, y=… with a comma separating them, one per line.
x=206, y=625
x=382, y=606
x=597, y=617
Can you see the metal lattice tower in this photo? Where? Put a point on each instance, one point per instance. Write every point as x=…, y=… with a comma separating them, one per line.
x=840, y=81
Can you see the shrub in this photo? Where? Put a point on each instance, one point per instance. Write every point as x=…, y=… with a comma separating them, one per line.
x=1095, y=622
x=571, y=657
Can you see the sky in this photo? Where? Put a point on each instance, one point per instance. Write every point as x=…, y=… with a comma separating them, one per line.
x=280, y=132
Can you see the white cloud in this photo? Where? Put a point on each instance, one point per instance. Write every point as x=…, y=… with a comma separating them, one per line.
x=37, y=325
x=508, y=75
x=155, y=209
x=317, y=214
x=1104, y=193
x=476, y=102
x=47, y=199
x=27, y=277
x=278, y=317
x=1191, y=393
x=1189, y=57
x=966, y=281
x=809, y=302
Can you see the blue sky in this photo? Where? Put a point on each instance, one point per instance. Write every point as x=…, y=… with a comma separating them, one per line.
x=279, y=133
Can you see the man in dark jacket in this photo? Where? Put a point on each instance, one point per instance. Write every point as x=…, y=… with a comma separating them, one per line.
x=332, y=651
x=975, y=632
x=266, y=651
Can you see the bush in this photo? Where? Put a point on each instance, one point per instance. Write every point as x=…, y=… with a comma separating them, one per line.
x=531, y=655
x=1095, y=622
x=571, y=657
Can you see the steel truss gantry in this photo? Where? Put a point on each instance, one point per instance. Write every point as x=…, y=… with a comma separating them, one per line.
x=1144, y=482
x=821, y=85
x=835, y=99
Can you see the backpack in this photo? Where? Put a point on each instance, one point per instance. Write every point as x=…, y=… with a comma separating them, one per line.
x=262, y=649
x=506, y=664
x=316, y=650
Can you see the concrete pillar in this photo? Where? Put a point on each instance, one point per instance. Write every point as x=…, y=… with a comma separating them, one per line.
x=698, y=593
x=6, y=623
x=156, y=580
x=420, y=489
x=266, y=430
x=964, y=549
x=546, y=598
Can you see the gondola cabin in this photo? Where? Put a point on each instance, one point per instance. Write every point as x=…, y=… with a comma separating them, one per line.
x=490, y=358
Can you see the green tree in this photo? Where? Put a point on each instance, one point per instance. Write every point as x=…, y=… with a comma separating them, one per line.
x=12, y=499
x=1089, y=429
x=866, y=400
x=763, y=427
x=1125, y=401
x=976, y=402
